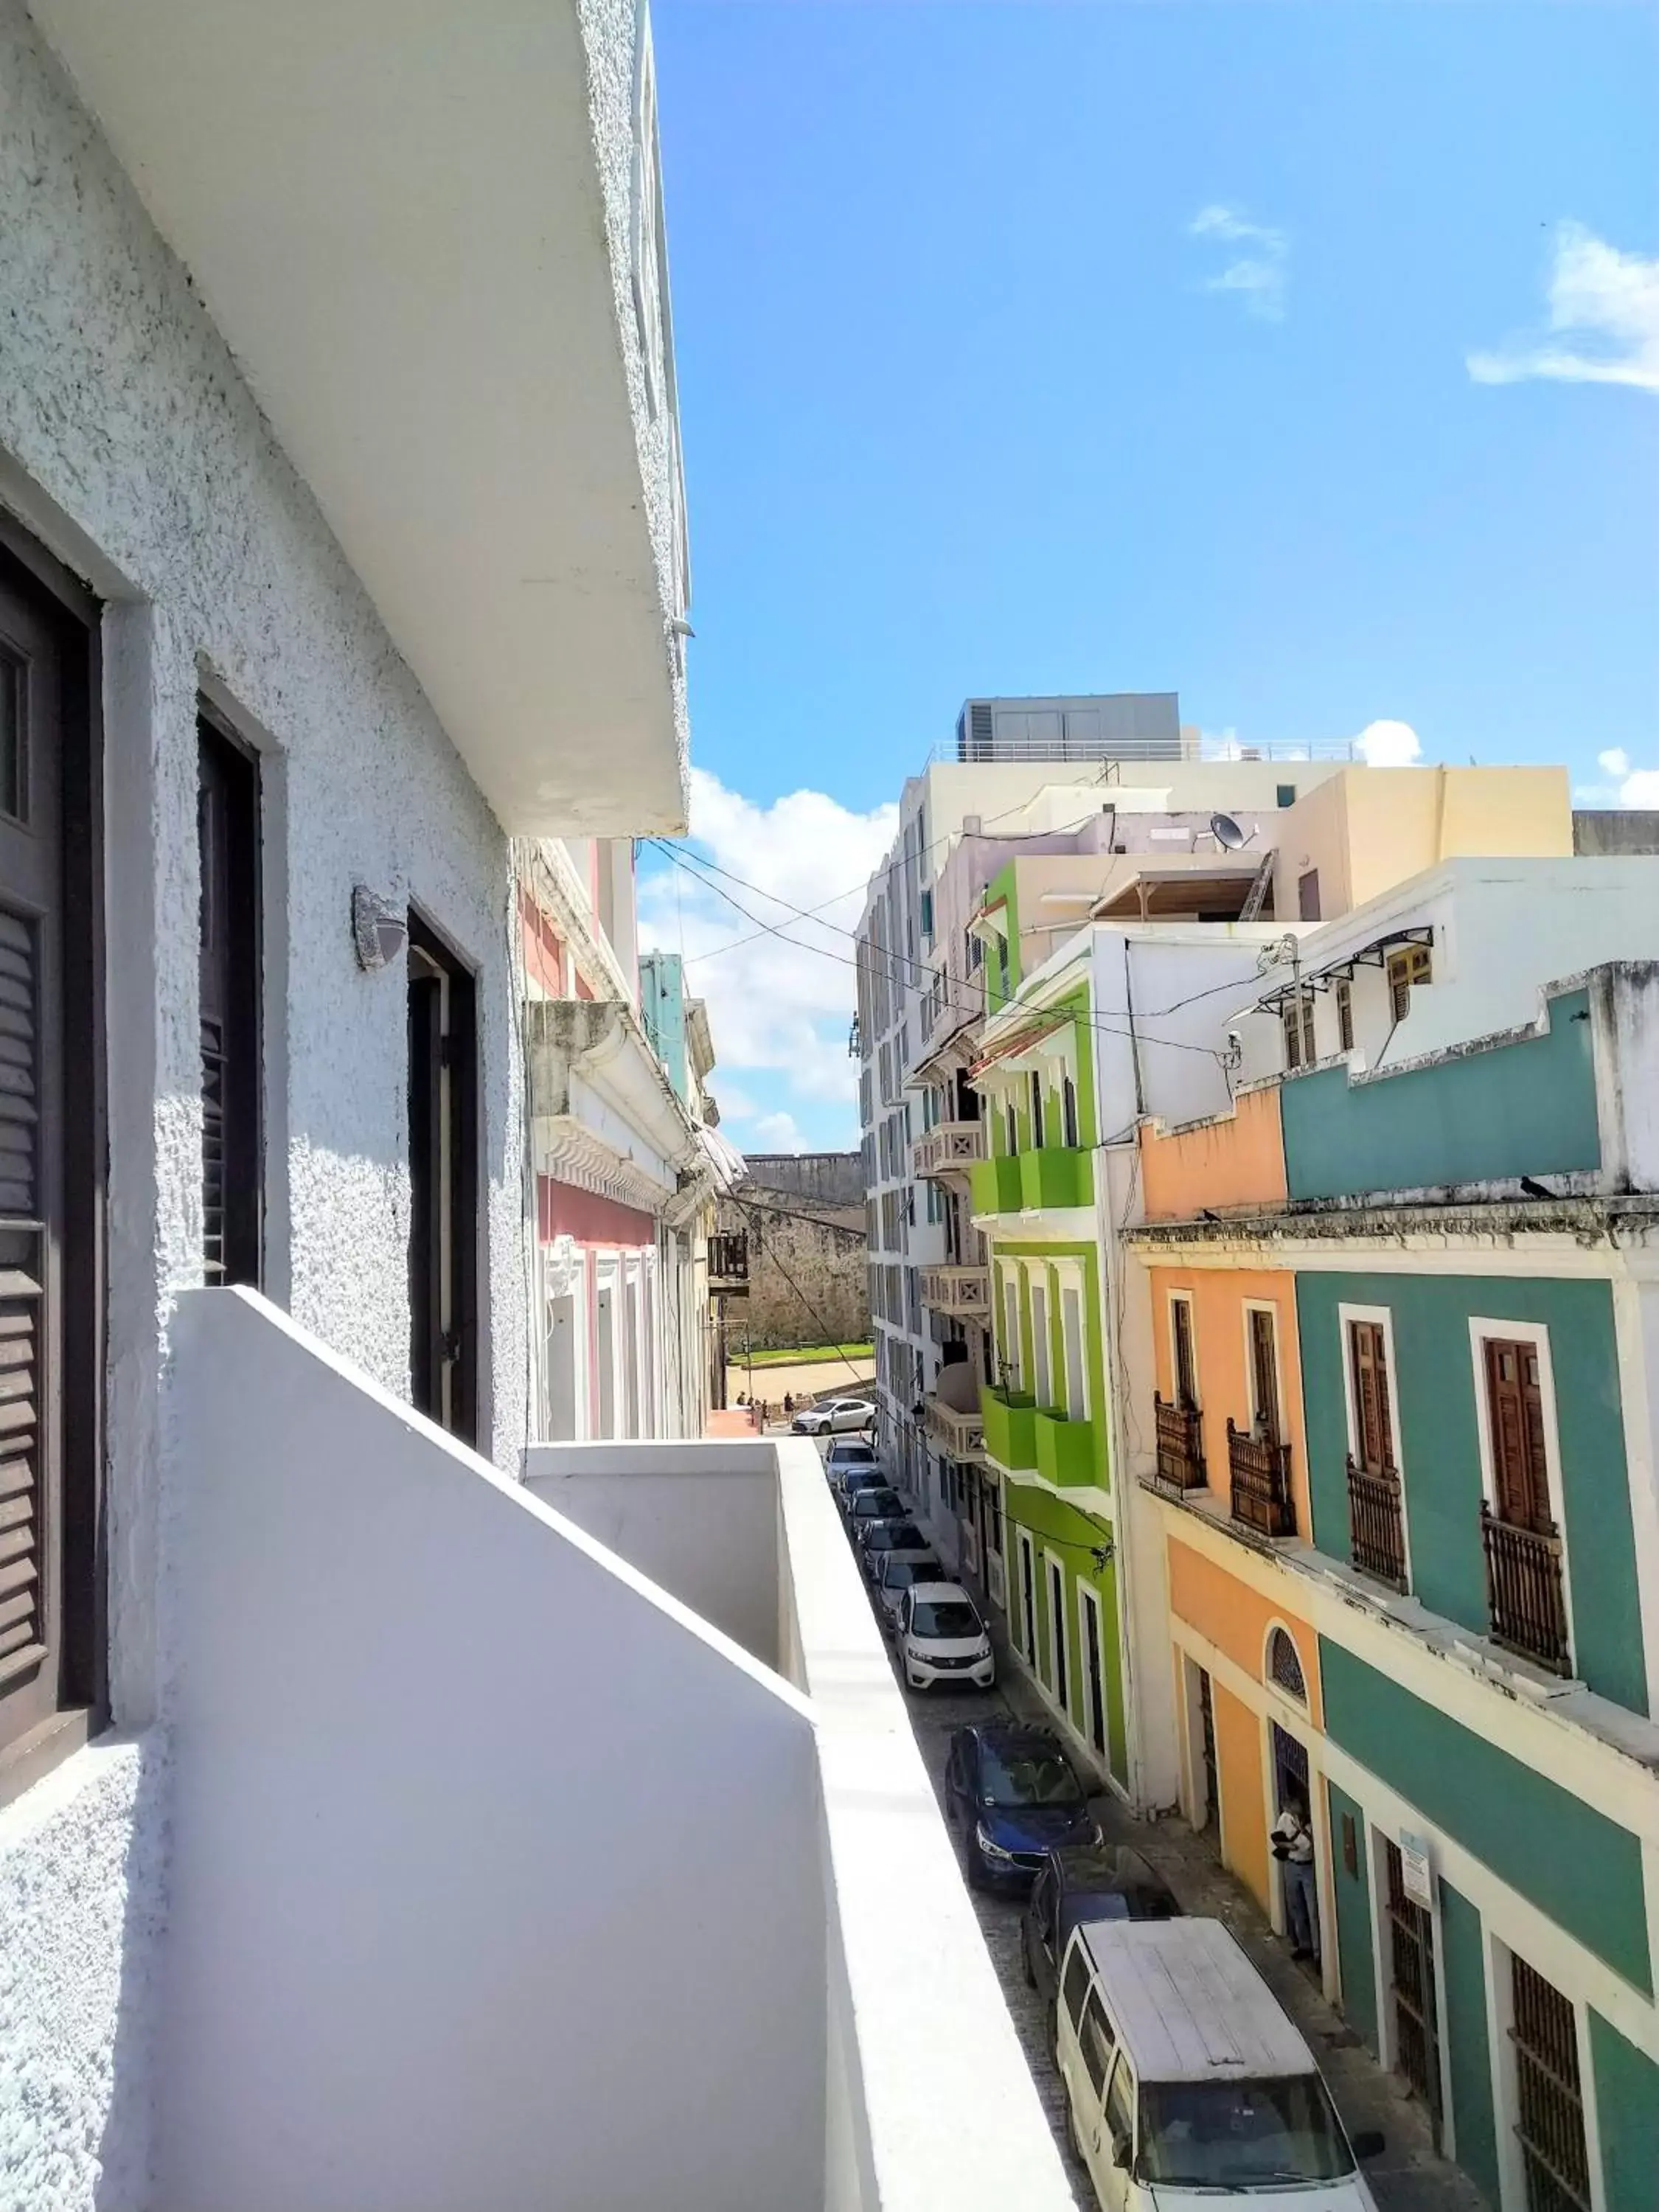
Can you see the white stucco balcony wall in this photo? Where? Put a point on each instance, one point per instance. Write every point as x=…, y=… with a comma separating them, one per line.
x=495, y=1870
x=928, y=2099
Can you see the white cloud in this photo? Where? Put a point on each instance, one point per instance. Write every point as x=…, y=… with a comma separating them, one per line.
x=1629, y=786
x=777, y=1133
x=1388, y=744
x=1603, y=325
x=780, y=990
x=1261, y=273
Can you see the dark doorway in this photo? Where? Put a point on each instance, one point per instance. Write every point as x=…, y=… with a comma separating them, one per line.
x=228, y=836
x=1211, y=1809
x=52, y=1149
x=1411, y=1977
x=443, y=1255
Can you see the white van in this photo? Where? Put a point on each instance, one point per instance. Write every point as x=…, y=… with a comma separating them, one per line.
x=1186, y=2082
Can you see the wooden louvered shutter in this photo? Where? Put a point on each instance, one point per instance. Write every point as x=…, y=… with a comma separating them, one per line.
x=1264, y=1371
x=1514, y=1402
x=31, y=1163
x=1370, y=1395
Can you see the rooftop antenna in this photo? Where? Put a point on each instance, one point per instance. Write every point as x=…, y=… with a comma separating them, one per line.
x=1228, y=833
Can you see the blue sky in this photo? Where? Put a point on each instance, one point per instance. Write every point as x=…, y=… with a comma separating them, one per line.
x=1078, y=348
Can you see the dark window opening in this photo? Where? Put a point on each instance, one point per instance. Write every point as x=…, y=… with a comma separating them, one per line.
x=1307, y=895
x=1345, y=1015
x=1037, y=1138
x=228, y=834
x=443, y=1060
x=52, y=1159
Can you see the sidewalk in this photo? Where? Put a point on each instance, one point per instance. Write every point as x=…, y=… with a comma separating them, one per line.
x=1410, y=2175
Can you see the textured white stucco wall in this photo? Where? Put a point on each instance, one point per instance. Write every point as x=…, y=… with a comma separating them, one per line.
x=80, y=1889
x=132, y=447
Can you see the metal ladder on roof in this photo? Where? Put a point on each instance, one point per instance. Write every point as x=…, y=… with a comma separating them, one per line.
x=1256, y=897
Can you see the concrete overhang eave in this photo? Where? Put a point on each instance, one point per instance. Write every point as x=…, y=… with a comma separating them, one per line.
x=396, y=218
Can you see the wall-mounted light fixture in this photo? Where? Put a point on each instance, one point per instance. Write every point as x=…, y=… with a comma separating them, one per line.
x=380, y=930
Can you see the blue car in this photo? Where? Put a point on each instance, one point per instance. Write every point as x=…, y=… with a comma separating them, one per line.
x=1016, y=1797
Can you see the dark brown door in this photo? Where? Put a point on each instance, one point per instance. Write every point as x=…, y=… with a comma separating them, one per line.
x=1186, y=1374
x=227, y=829
x=1264, y=1373
x=1369, y=1352
x=443, y=1056
x=1515, y=1403
x=1411, y=1984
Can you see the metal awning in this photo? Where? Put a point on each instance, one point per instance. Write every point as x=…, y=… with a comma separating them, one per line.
x=1374, y=955
x=1020, y=1042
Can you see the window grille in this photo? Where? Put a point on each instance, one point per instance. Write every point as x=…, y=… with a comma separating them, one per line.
x=1284, y=1666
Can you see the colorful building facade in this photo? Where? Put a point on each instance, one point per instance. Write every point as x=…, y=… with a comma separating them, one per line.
x=1394, y=1361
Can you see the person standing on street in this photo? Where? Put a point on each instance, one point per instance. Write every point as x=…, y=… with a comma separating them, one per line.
x=1292, y=1846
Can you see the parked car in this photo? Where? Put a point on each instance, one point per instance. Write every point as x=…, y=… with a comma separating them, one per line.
x=878, y=1505
x=1185, y=2081
x=877, y=1537
x=1085, y=1881
x=894, y=1572
x=853, y=1482
x=941, y=1638
x=1015, y=1794
x=832, y=1415
x=846, y=1452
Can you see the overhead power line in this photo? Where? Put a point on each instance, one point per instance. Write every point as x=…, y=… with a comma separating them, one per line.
x=695, y=868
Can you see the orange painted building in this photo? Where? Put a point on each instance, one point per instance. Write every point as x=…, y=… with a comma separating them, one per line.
x=1235, y=1160
x=1241, y=1331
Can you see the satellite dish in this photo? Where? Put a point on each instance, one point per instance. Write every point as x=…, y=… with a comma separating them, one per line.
x=1227, y=833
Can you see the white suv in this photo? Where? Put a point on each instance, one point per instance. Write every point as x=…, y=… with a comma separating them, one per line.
x=941, y=1638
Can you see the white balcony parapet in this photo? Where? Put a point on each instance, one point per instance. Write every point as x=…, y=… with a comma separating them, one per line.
x=897, y=2104
x=949, y=1148
x=960, y=1436
x=956, y=1289
x=447, y=1763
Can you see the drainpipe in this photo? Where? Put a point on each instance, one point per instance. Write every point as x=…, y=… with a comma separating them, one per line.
x=1110, y=1276
x=1134, y=1040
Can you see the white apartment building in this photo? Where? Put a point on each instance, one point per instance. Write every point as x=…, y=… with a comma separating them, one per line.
x=1075, y=779
x=379, y=1803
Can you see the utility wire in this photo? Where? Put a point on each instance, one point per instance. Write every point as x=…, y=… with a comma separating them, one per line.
x=962, y=1006
x=886, y=867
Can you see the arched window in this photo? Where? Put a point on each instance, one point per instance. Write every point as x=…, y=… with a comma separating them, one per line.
x=1284, y=1666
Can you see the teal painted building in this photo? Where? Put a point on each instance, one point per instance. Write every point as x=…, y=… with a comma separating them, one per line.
x=1473, y=1242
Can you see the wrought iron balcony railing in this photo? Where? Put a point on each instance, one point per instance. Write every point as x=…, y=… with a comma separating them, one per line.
x=1180, y=1444
x=1525, y=1593
x=1259, y=1471
x=1376, y=1525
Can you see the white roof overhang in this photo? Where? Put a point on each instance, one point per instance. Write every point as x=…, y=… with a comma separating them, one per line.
x=395, y=213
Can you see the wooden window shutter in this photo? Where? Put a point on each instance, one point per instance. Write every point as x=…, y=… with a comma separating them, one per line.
x=1370, y=1395
x=1515, y=1415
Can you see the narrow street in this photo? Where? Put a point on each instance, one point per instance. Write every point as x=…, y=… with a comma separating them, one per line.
x=1409, y=2176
